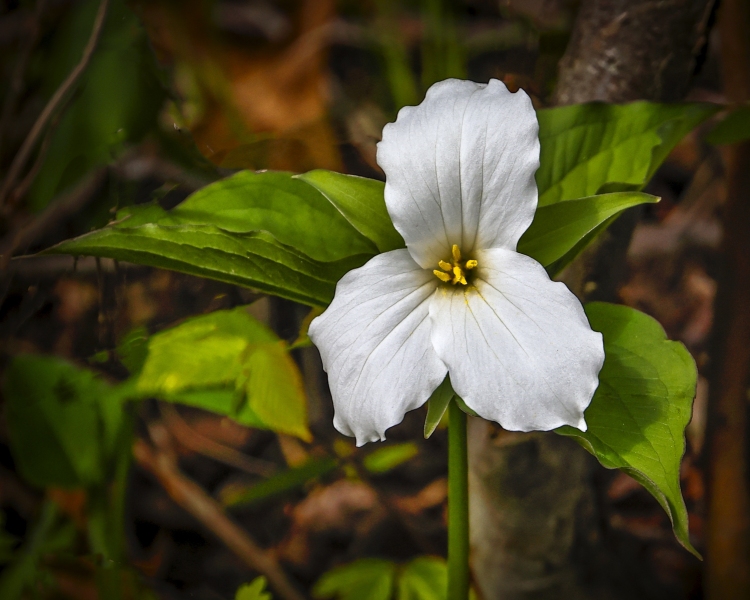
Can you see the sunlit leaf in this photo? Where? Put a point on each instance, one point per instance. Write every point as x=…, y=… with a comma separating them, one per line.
x=362, y=202
x=231, y=364
x=586, y=147
x=256, y=590
x=255, y=260
x=295, y=213
x=637, y=419
x=558, y=228
x=424, y=578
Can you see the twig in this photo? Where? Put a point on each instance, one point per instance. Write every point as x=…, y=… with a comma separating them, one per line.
x=192, y=440
x=56, y=213
x=194, y=499
x=19, y=162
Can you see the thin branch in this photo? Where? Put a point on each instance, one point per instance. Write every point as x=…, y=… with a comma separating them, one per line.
x=192, y=440
x=20, y=160
x=194, y=499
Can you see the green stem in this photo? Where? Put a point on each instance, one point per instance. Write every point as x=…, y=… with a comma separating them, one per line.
x=458, y=505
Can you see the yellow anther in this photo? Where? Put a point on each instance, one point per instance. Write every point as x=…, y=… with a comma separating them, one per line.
x=442, y=276
x=445, y=266
x=456, y=253
x=470, y=264
x=458, y=276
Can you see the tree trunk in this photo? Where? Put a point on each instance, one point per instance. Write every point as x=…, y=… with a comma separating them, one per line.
x=533, y=511
x=727, y=574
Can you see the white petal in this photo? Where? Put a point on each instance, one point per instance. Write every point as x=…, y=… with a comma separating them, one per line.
x=518, y=346
x=374, y=340
x=460, y=169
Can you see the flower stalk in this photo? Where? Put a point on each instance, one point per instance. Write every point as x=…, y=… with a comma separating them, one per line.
x=458, y=505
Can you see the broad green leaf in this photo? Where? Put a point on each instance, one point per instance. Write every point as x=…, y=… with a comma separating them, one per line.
x=59, y=418
x=231, y=364
x=281, y=483
x=437, y=405
x=365, y=579
x=362, y=202
x=256, y=590
x=587, y=146
x=255, y=260
x=637, y=419
x=389, y=457
x=295, y=213
x=559, y=227
x=735, y=127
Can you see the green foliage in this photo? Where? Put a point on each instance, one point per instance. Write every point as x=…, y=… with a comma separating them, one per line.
x=365, y=579
x=588, y=149
x=25, y=570
x=256, y=590
x=293, y=211
x=389, y=457
x=735, y=127
x=280, y=483
x=637, y=419
x=437, y=405
x=262, y=230
x=559, y=228
x=256, y=260
x=423, y=578
x=116, y=103
x=62, y=421
x=362, y=202
x=229, y=363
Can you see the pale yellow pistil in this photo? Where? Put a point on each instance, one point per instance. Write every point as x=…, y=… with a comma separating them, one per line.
x=454, y=272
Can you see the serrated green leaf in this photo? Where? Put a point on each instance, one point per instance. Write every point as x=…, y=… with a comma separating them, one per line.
x=637, y=419
x=256, y=590
x=587, y=146
x=389, y=457
x=560, y=227
x=362, y=202
x=231, y=364
x=735, y=127
x=437, y=405
x=255, y=260
x=60, y=419
x=365, y=579
x=295, y=213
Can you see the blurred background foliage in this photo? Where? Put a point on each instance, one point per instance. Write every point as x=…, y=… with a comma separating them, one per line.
x=161, y=440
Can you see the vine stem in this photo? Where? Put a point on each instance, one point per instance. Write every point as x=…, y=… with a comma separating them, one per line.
x=458, y=505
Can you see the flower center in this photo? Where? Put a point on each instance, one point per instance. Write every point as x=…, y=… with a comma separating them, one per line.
x=454, y=272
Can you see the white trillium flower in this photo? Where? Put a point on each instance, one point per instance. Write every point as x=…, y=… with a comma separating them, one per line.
x=459, y=300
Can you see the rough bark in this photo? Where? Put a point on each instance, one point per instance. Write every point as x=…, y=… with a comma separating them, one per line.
x=532, y=528
x=727, y=573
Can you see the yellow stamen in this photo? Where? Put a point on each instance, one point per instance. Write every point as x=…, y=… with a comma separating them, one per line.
x=454, y=272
